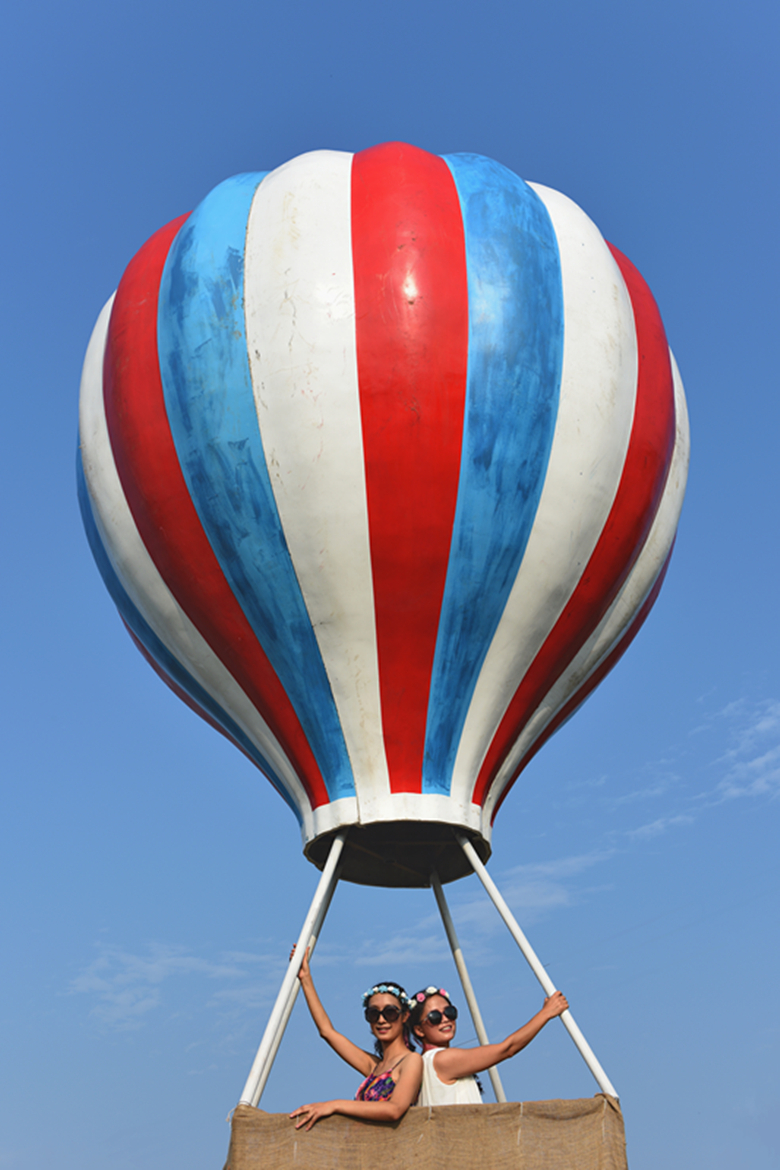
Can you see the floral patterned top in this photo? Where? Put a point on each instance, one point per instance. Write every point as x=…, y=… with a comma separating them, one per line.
x=377, y=1088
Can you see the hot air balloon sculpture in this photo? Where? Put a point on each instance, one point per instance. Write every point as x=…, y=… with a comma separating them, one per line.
x=381, y=459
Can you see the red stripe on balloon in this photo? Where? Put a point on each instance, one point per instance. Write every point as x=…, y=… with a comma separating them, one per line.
x=601, y=672
x=639, y=493
x=164, y=513
x=411, y=307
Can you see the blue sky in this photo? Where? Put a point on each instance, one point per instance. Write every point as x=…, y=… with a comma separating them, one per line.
x=152, y=881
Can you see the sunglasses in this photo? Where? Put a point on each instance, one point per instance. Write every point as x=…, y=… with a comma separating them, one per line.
x=389, y=1013
x=435, y=1017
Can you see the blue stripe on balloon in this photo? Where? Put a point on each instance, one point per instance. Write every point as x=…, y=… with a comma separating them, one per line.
x=514, y=372
x=168, y=664
x=208, y=395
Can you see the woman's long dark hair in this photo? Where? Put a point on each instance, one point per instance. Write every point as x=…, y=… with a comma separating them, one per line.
x=409, y=1037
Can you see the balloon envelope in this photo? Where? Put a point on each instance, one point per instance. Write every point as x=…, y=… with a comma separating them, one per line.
x=381, y=458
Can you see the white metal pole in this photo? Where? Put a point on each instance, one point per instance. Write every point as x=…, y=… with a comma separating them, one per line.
x=468, y=989
x=585, y=1050
x=269, y=1045
x=288, y=1007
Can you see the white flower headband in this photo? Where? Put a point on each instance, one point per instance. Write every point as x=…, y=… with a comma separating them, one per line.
x=391, y=989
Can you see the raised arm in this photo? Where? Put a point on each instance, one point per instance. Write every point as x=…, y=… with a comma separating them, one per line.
x=452, y=1063
x=345, y=1048
x=407, y=1087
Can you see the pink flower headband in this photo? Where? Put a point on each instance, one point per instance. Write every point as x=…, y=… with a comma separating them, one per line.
x=427, y=992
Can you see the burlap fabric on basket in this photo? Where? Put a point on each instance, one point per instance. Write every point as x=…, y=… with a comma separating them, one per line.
x=585, y=1134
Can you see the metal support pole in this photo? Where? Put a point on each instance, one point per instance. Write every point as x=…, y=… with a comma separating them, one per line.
x=280, y=1014
x=585, y=1050
x=296, y=987
x=468, y=990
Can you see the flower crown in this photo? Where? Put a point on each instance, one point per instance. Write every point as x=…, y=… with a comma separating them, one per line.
x=427, y=992
x=391, y=989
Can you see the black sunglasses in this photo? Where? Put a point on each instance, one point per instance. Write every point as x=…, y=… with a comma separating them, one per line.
x=389, y=1013
x=434, y=1017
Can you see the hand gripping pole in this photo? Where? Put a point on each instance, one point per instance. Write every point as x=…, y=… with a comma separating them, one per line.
x=468, y=990
x=282, y=1009
x=585, y=1050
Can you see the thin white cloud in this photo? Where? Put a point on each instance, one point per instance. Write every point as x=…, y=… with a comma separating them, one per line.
x=752, y=758
x=421, y=941
x=659, y=826
x=758, y=776
x=128, y=986
x=659, y=786
x=743, y=738
x=251, y=997
x=590, y=784
x=559, y=867
x=532, y=891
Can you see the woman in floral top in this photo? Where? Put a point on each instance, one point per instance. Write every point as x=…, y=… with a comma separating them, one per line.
x=392, y=1074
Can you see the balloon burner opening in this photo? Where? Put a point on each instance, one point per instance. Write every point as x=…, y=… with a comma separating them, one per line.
x=399, y=853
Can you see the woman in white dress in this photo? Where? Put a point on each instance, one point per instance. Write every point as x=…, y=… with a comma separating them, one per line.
x=449, y=1074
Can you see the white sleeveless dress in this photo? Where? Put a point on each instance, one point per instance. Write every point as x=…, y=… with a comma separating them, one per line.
x=434, y=1092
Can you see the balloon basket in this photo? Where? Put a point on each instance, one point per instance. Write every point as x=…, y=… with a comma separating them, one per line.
x=585, y=1134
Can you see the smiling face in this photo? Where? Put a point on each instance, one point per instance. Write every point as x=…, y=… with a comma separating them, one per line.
x=383, y=1030
x=435, y=1035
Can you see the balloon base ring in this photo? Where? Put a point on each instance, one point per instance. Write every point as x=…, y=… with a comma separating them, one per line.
x=399, y=854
